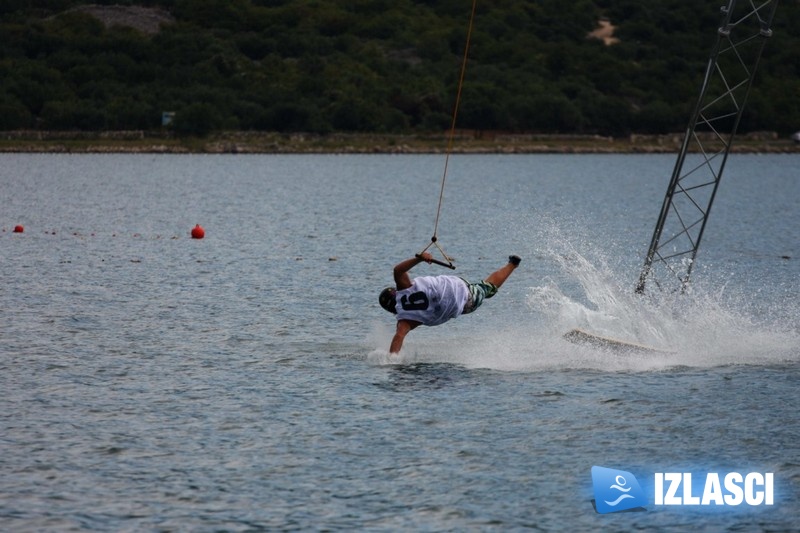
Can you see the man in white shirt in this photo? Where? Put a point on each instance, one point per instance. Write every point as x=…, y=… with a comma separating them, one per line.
x=433, y=300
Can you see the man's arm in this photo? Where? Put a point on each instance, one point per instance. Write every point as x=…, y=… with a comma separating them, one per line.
x=403, y=327
x=401, y=278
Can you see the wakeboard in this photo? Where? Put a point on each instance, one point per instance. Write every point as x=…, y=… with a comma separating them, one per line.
x=580, y=336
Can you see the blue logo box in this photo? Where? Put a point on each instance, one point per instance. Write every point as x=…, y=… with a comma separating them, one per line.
x=616, y=490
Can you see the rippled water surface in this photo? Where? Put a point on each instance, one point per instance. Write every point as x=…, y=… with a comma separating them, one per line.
x=240, y=382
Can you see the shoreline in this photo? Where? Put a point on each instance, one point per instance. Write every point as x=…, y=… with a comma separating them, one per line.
x=346, y=143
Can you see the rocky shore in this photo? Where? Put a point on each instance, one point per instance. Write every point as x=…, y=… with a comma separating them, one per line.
x=276, y=143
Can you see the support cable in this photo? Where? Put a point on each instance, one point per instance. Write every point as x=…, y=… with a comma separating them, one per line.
x=451, y=137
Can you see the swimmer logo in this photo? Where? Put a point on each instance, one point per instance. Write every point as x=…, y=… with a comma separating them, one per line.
x=616, y=490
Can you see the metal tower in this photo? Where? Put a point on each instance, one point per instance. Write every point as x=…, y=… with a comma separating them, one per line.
x=729, y=75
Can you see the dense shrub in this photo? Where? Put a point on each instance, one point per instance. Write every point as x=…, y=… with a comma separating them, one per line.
x=378, y=65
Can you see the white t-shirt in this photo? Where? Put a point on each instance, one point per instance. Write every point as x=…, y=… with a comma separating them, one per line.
x=432, y=300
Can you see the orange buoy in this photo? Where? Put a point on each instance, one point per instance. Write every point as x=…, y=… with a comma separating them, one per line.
x=18, y=228
x=198, y=232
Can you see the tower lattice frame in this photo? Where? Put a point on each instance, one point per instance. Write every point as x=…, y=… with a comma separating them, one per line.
x=729, y=75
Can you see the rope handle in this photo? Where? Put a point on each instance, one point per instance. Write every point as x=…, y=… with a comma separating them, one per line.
x=449, y=264
x=437, y=262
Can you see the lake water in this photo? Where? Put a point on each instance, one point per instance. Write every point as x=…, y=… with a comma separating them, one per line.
x=154, y=382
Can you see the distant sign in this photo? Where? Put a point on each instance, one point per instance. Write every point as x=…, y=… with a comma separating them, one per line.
x=167, y=117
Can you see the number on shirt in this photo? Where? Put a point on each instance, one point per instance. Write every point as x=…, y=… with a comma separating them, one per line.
x=416, y=301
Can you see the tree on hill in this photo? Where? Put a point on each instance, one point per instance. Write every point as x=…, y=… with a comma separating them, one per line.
x=373, y=65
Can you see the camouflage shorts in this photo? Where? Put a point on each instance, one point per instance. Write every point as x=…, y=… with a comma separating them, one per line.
x=477, y=292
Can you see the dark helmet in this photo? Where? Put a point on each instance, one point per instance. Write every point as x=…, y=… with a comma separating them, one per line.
x=387, y=299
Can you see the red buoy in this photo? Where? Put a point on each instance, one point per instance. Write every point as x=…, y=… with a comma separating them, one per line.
x=198, y=232
x=18, y=228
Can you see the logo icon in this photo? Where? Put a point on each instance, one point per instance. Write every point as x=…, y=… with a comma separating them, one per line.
x=616, y=490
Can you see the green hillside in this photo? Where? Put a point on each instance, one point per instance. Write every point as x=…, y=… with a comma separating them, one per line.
x=374, y=65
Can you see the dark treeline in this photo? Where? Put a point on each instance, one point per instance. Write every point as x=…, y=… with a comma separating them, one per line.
x=374, y=65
